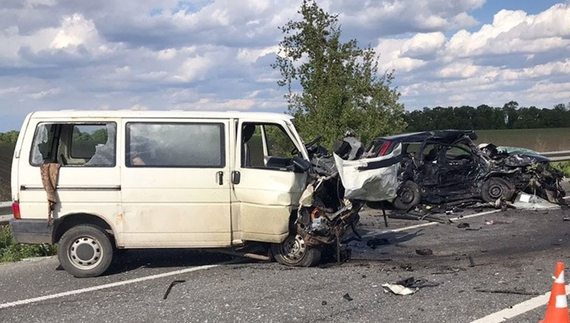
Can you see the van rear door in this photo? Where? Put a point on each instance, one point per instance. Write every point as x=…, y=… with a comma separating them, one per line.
x=175, y=183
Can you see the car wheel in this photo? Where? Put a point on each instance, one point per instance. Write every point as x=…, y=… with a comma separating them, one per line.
x=294, y=251
x=408, y=196
x=495, y=188
x=85, y=251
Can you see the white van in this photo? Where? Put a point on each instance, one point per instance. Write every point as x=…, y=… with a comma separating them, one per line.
x=95, y=181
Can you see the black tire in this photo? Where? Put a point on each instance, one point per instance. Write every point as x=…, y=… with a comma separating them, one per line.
x=85, y=251
x=295, y=252
x=495, y=188
x=408, y=196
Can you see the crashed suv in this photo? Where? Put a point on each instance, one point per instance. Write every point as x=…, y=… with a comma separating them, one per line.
x=445, y=166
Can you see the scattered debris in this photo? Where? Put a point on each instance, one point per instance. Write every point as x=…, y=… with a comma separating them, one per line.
x=471, y=261
x=533, y=202
x=324, y=303
x=408, y=286
x=463, y=225
x=506, y=291
x=424, y=252
x=399, y=289
x=373, y=243
x=170, y=287
x=347, y=297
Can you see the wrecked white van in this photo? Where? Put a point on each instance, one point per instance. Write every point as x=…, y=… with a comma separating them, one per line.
x=95, y=181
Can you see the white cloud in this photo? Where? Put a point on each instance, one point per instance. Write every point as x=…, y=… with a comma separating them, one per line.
x=170, y=54
x=47, y=93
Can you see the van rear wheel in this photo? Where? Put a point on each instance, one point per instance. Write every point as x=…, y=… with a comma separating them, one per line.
x=85, y=251
x=294, y=251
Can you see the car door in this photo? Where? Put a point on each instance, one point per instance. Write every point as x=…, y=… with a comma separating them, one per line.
x=175, y=183
x=458, y=167
x=265, y=187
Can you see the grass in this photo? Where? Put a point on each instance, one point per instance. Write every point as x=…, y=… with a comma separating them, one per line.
x=12, y=251
x=541, y=140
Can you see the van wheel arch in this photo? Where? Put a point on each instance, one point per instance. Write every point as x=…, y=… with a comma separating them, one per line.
x=69, y=221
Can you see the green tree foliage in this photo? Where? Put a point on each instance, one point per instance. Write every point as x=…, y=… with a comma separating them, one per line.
x=9, y=137
x=340, y=84
x=510, y=116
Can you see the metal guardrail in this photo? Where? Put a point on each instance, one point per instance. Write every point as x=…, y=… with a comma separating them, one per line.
x=557, y=156
x=5, y=212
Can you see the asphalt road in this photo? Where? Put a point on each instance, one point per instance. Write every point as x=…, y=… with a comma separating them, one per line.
x=517, y=253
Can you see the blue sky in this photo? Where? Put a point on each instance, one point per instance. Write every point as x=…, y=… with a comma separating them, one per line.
x=216, y=55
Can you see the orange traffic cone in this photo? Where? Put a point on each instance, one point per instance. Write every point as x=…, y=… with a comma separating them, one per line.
x=557, y=309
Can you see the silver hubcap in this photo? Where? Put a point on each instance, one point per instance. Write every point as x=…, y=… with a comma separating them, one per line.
x=294, y=248
x=85, y=253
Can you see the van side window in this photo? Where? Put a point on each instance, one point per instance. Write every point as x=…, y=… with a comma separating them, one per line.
x=175, y=145
x=75, y=144
x=266, y=146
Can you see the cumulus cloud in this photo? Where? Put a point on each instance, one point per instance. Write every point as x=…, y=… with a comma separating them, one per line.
x=196, y=54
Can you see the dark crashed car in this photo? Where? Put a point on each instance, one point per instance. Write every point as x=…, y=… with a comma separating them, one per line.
x=445, y=166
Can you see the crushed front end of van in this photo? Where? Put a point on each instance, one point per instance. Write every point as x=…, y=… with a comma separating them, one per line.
x=337, y=190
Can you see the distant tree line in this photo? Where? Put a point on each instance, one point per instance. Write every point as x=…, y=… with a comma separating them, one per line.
x=9, y=137
x=510, y=116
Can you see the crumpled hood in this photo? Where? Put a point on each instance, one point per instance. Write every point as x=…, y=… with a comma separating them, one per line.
x=518, y=160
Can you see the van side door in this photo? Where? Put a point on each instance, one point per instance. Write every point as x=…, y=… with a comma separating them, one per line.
x=175, y=183
x=88, y=176
x=265, y=187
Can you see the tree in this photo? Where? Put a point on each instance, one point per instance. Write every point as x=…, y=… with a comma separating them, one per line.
x=341, y=87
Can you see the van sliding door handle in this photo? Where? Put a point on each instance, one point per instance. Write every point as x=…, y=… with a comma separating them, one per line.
x=220, y=178
x=236, y=177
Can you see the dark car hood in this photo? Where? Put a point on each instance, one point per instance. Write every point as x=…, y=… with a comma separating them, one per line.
x=517, y=160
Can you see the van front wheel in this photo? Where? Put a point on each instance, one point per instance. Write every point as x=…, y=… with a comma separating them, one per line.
x=294, y=251
x=85, y=251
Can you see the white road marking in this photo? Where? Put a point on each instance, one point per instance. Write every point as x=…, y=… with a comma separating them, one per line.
x=518, y=309
x=375, y=233
x=106, y=286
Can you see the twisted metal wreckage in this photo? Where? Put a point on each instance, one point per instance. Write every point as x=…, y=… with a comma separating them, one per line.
x=342, y=183
x=339, y=186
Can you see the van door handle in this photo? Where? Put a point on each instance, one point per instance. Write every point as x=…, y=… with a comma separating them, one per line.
x=220, y=178
x=236, y=177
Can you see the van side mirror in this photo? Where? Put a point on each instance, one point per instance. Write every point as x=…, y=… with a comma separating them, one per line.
x=300, y=165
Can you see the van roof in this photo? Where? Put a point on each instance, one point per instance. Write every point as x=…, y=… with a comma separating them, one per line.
x=156, y=114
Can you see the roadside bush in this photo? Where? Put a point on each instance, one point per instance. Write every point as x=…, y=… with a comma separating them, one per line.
x=12, y=251
x=563, y=166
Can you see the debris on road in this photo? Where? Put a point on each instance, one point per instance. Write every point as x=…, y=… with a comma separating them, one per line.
x=373, y=243
x=408, y=286
x=507, y=291
x=533, y=202
x=170, y=287
x=347, y=297
x=424, y=252
x=463, y=225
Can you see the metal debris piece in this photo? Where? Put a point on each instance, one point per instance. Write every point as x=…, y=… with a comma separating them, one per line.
x=471, y=261
x=347, y=297
x=424, y=252
x=399, y=289
x=170, y=287
x=506, y=291
x=373, y=243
